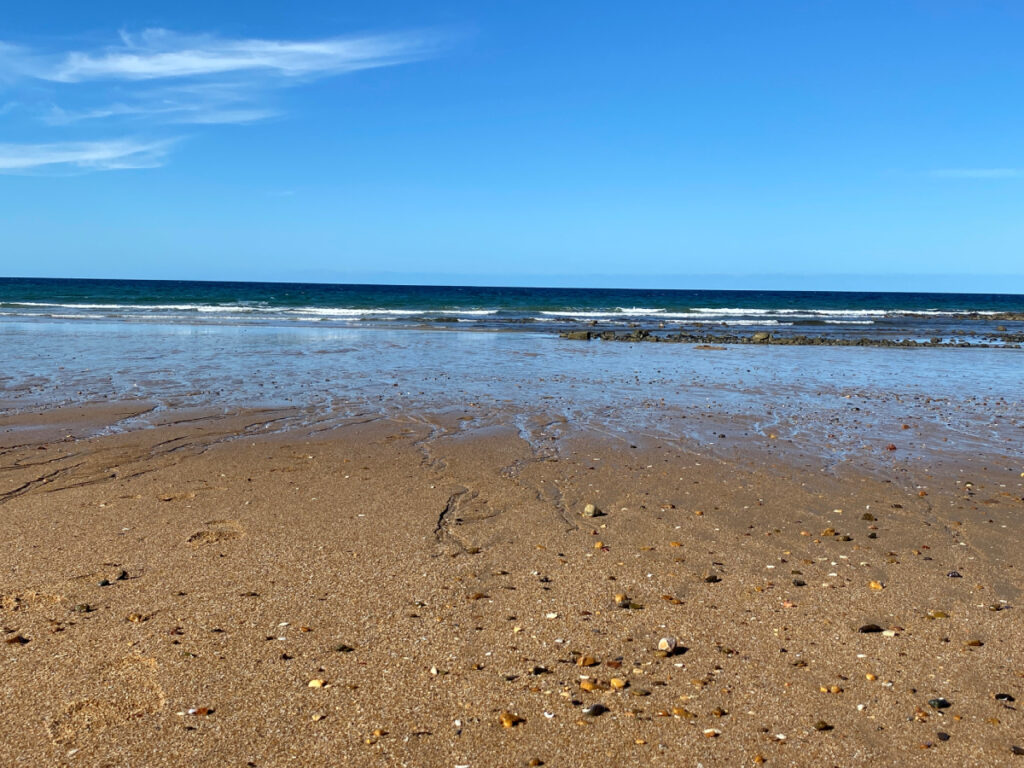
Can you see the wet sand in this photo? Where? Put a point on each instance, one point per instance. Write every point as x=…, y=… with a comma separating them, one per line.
x=422, y=588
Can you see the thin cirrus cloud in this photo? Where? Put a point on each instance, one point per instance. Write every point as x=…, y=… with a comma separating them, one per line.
x=163, y=78
x=159, y=54
x=977, y=173
x=84, y=155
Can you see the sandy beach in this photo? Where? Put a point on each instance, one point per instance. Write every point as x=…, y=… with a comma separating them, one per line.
x=419, y=590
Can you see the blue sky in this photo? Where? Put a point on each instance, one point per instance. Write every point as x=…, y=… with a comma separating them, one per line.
x=816, y=144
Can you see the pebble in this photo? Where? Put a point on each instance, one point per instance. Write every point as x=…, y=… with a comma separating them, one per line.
x=1003, y=697
x=942, y=736
x=712, y=733
x=821, y=725
x=954, y=575
x=1017, y=750
x=316, y=683
x=939, y=703
x=876, y=585
x=509, y=720
x=618, y=683
x=591, y=510
x=667, y=644
x=586, y=661
x=104, y=582
x=799, y=583
x=595, y=710
x=869, y=628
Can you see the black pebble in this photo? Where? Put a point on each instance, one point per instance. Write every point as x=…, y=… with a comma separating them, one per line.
x=943, y=736
x=939, y=704
x=869, y=628
x=954, y=575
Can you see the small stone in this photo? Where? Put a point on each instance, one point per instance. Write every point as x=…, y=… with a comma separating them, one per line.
x=618, y=683
x=942, y=736
x=821, y=725
x=973, y=644
x=683, y=712
x=588, y=685
x=316, y=683
x=799, y=583
x=509, y=720
x=83, y=608
x=939, y=703
x=1003, y=697
x=869, y=629
x=590, y=510
x=868, y=517
x=938, y=615
x=711, y=733
x=343, y=648
x=876, y=585
x=534, y=762
x=595, y=710
x=1017, y=750
x=639, y=692
x=711, y=578
x=870, y=676
x=586, y=661
x=104, y=582
x=954, y=575
x=122, y=576
x=667, y=644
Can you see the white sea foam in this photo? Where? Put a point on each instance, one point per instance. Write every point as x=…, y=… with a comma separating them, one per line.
x=244, y=309
x=571, y=314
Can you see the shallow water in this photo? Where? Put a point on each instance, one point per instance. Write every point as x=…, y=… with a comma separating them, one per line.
x=834, y=403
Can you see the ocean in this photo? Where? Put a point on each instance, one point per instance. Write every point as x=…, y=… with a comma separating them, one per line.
x=330, y=353
x=961, y=318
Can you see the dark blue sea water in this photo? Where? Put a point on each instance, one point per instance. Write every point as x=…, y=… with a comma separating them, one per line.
x=896, y=315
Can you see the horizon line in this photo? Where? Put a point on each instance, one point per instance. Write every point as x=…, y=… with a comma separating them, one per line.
x=773, y=276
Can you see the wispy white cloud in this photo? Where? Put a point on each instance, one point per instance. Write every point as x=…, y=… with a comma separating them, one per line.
x=159, y=78
x=161, y=54
x=112, y=155
x=181, y=113
x=977, y=173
